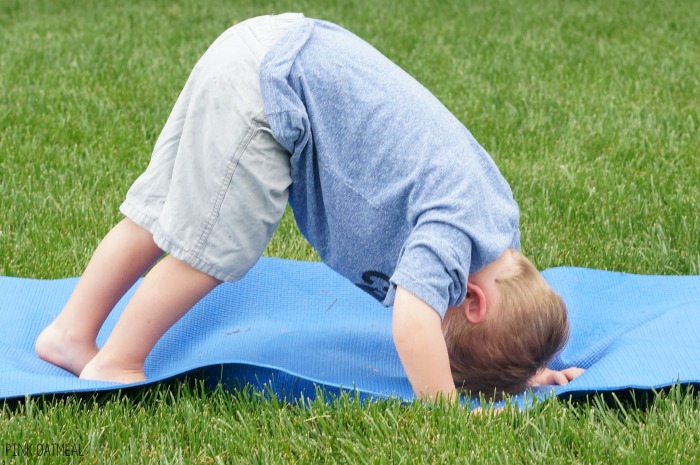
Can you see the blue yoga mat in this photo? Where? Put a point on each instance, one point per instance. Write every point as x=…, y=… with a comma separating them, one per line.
x=293, y=326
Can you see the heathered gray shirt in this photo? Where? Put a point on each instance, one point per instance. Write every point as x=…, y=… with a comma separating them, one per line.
x=387, y=185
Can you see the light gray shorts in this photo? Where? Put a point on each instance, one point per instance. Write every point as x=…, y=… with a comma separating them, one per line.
x=217, y=183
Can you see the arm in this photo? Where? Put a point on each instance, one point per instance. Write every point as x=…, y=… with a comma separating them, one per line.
x=421, y=347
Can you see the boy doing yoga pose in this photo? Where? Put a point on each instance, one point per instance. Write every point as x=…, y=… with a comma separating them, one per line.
x=388, y=186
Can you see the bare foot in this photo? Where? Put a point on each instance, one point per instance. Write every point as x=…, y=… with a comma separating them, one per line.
x=64, y=348
x=99, y=370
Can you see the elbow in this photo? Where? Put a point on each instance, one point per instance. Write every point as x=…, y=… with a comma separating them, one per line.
x=404, y=332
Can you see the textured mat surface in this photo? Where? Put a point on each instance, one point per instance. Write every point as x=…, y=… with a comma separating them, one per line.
x=293, y=325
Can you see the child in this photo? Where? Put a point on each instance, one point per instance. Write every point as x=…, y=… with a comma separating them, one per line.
x=388, y=186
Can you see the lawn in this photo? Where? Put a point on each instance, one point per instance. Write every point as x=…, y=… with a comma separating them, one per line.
x=591, y=110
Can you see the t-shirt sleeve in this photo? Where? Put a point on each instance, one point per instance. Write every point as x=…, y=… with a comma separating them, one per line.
x=434, y=266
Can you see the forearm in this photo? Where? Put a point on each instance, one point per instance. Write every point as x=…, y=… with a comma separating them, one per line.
x=421, y=347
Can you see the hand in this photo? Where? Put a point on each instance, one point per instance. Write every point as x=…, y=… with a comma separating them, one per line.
x=549, y=377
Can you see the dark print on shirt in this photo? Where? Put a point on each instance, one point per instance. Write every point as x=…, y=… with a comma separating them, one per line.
x=375, y=284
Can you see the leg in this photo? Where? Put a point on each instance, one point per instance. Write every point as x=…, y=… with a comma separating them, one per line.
x=222, y=219
x=170, y=289
x=122, y=257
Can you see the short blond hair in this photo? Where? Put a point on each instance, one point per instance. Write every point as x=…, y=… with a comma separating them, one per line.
x=501, y=354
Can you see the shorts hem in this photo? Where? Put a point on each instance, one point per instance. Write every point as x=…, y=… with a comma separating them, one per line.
x=168, y=245
x=137, y=216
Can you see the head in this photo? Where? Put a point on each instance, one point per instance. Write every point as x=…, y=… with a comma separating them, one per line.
x=510, y=325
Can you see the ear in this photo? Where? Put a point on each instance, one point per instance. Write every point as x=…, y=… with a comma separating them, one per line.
x=476, y=306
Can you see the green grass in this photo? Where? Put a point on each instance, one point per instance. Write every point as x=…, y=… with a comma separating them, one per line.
x=591, y=109
x=185, y=423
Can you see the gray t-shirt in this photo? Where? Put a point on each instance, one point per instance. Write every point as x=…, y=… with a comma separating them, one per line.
x=387, y=185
